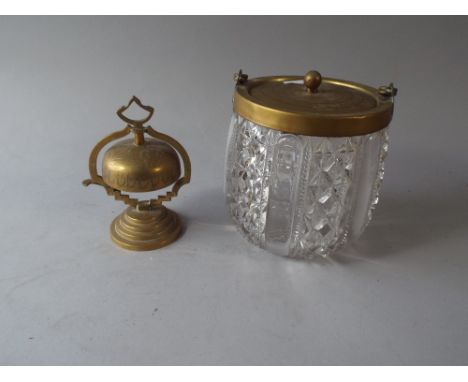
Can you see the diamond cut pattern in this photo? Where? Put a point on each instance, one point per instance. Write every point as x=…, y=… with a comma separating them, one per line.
x=320, y=228
x=247, y=194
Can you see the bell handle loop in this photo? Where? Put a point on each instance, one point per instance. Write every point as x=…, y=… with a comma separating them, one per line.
x=180, y=182
x=138, y=123
x=117, y=194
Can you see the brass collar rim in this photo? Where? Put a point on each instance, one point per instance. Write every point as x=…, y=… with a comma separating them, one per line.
x=310, y=123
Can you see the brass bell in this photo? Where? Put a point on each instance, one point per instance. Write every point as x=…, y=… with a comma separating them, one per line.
x=141, y=165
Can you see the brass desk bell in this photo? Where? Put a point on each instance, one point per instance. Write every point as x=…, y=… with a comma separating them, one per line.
x=141, y=165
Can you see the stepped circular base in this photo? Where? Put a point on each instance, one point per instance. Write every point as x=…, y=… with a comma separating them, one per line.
x=145, y=230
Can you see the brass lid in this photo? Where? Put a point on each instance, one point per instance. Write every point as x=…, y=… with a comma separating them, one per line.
x=312, y=105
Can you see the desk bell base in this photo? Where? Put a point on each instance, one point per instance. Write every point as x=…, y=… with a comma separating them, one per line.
x=145, y=230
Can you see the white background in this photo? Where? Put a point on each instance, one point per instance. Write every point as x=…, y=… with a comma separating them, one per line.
x=69, y=296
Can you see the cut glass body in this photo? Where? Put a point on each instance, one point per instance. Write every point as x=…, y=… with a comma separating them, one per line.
x=301, y=196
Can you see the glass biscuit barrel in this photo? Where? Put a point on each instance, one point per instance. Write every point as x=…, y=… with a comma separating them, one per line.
x=305, y=160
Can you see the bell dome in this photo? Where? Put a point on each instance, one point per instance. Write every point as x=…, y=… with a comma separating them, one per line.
x=151, y=166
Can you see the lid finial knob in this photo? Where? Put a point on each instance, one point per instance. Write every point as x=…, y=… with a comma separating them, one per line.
x=312, y=81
